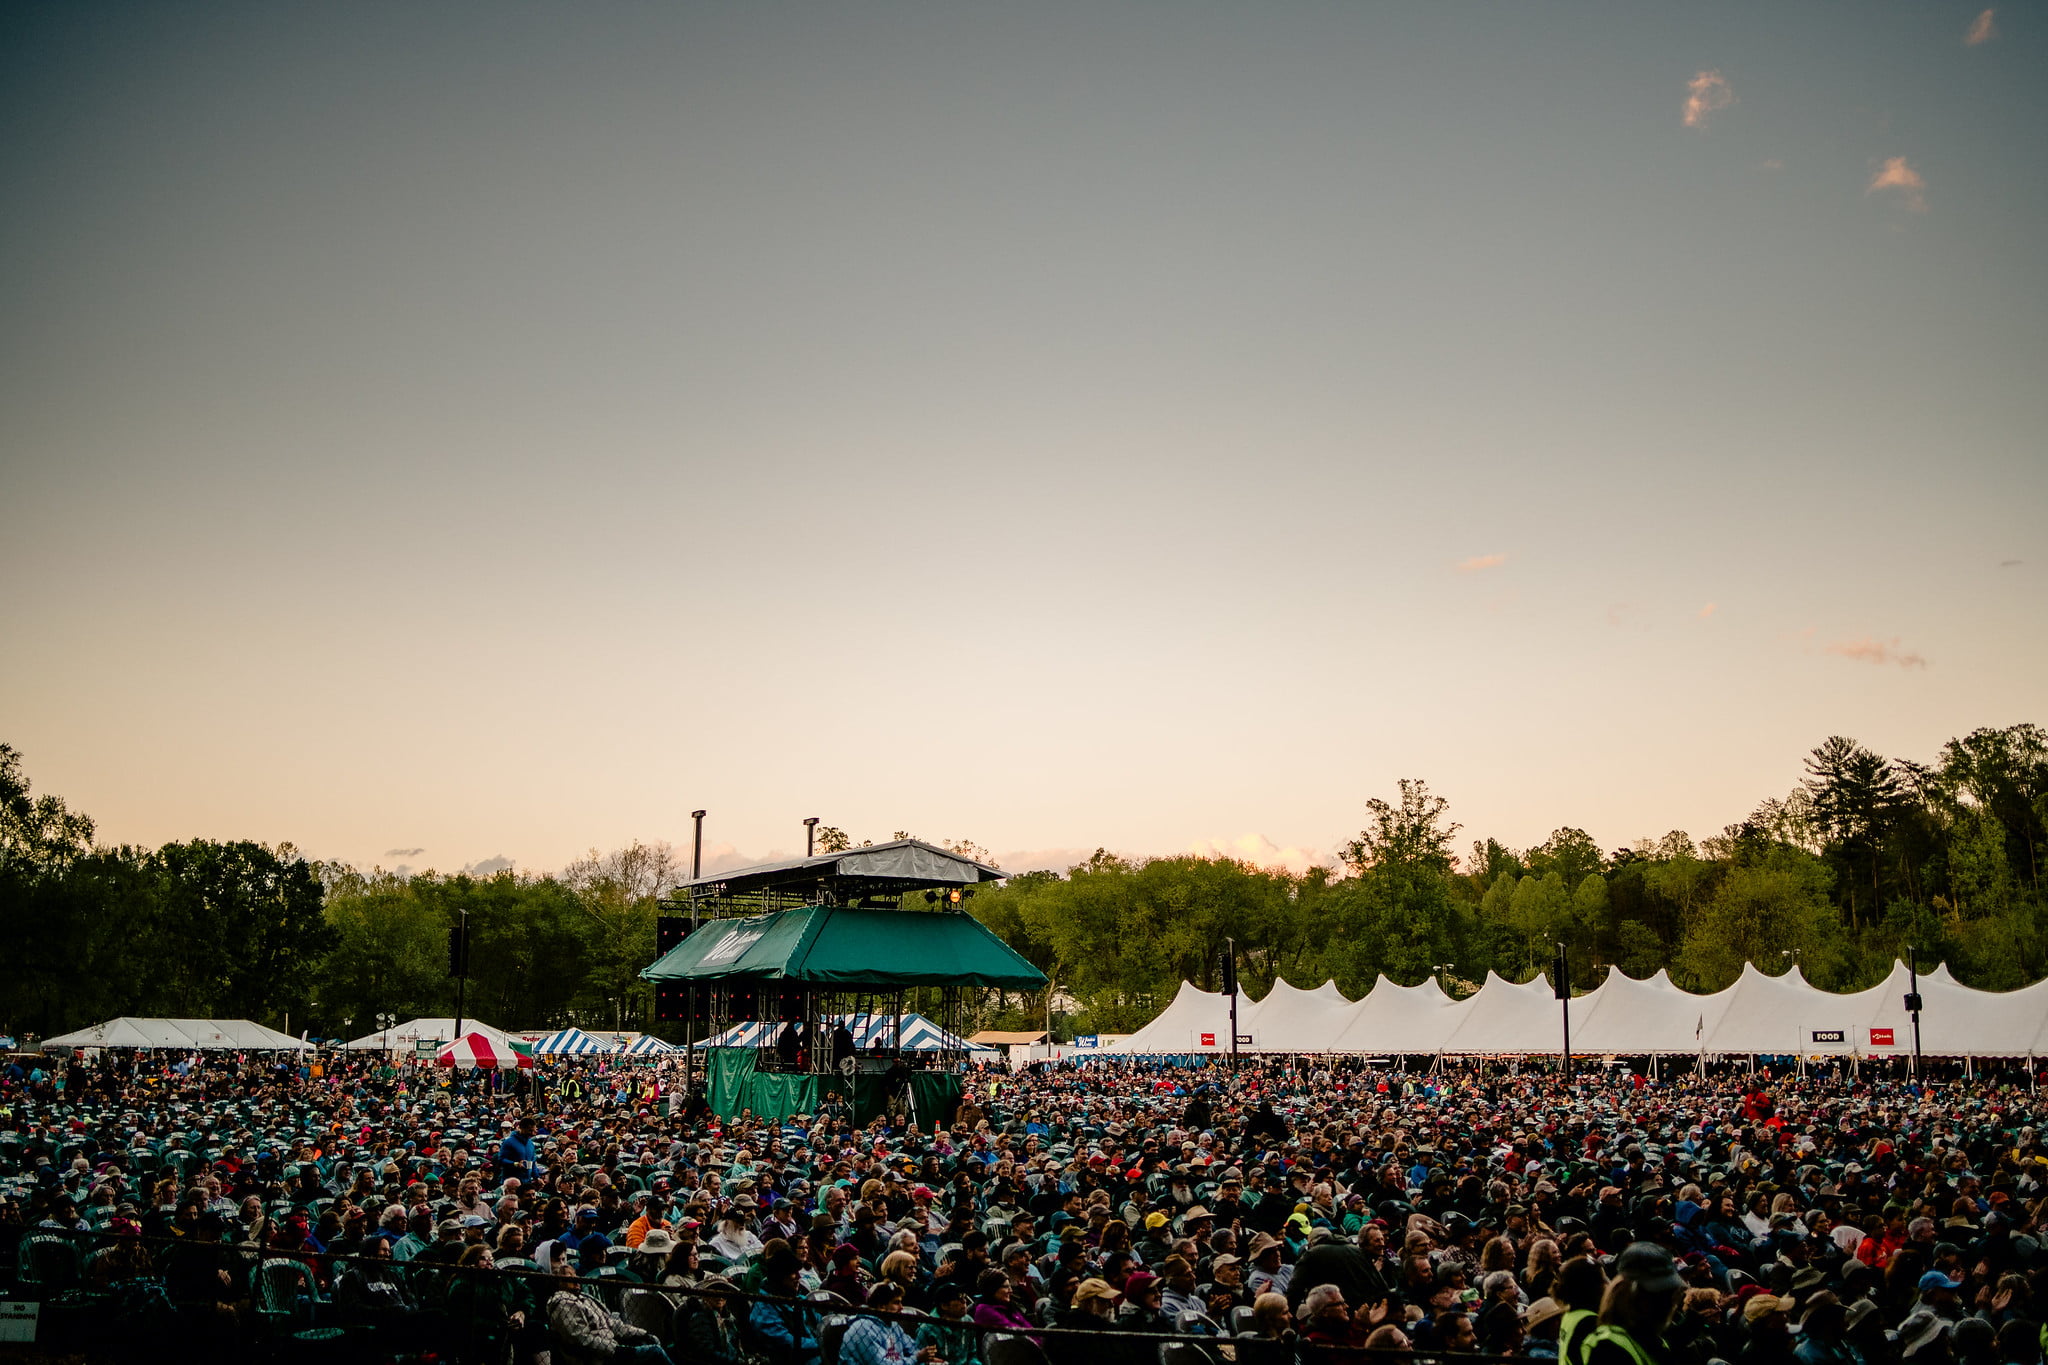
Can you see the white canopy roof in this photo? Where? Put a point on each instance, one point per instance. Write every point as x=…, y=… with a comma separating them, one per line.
x=1506, y=1017
x=210, y=1035
x=1394, y=1019
x=402, y=1037
x=1653, y=1015
x=1291, y=1019
x=1195, y=1014
x=1757, y=1014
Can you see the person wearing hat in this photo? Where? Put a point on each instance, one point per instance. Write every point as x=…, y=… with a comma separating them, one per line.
x=1634, y=1310
x=1766, y=1323
x=1539, y=1329
x=1226, y=1289
x=1141, y=1311
x=877, y=1340
x=710, y=1330
x=950, y=1332
x=1269, y=1275
x=994, y=1309
x=1937, y=1294
x=1923, y=1337
x=1822, y=1325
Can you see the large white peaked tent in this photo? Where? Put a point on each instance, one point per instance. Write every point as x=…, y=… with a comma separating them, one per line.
x=1758, y=1014
x=1640, y=1017
x=184, y=1035
x=1291, y=1019
x=1393, y=1020
x=1182, y=1027
x=1510, y=1017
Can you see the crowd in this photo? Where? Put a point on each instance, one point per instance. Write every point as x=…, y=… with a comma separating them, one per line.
x=1292, y=1209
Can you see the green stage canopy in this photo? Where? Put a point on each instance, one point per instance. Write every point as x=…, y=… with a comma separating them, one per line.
x=830, y=946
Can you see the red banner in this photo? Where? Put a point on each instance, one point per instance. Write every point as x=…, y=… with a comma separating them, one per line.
x=1880, y=1037
x=1208, y=1040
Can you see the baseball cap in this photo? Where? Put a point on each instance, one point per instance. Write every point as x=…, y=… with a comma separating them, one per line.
x=1094, y=1289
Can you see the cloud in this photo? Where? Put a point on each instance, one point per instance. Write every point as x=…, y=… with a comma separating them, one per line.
x=489, y=866
x=2010, y=563
x=1705, y=94
x=1481, y=562
x=1774, y=165
x=403, y=852
x=1982, y=29
x=1708, y=610
x=1895, y=174
x=1043, y=859
x=1865, y=650
x=1260, y=851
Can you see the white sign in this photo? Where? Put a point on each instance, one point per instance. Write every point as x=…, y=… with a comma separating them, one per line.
x=18, y=1320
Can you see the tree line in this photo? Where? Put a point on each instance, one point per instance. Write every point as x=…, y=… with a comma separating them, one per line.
x=244, y=931
x=1866, y=858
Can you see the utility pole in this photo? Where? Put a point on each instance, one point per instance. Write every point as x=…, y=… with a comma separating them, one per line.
x=1230, y=986
x=810, y=836
x=1913, y=1002
x=458, y=965
x=1561, y=985
x=690, y=992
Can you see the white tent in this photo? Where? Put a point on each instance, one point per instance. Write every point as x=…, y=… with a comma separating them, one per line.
x=1652, y=1015
x=210, y=1035
x=1291, y=1019
x=403, y=1037
x=1506, y=1017
x=1393, y=1020
x=1955, y=1020
x=1197, y=1021
x=1786, y=1014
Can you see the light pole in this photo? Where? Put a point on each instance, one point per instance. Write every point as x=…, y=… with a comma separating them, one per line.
x=1913, y=1002
x=810, y=835
x=1561, y=985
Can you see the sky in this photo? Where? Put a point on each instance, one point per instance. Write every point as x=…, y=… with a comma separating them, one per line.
x=432, y=434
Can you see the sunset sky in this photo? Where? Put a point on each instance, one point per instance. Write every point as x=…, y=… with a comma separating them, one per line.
x=440, y=433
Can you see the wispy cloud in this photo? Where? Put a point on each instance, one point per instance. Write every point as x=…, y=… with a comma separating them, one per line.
x=490, y=867
x=403, y=852
x=2010, y=563
x=1708, y=610
x=1773, y=164
x=1896, y=174
x=1982, y=29
x=1043, y=859
x=1865, y=650
x=1260, y=851
x=1705, y=94
x=1480, y=562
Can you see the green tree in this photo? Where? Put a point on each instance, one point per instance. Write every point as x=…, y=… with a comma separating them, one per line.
x=1774, y=902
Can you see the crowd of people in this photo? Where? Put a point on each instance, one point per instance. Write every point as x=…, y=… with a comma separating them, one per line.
x=1294, y=1208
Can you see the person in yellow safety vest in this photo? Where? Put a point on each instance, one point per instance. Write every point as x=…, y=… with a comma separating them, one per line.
x=1645, y=1291
x=1578, y=1287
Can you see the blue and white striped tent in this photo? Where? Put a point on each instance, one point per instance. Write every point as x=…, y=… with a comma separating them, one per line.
x=572, y=1042
x=919, y=1033
x=647, y=1045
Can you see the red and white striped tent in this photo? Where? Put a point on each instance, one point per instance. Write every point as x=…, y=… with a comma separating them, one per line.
x=473, y=1051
